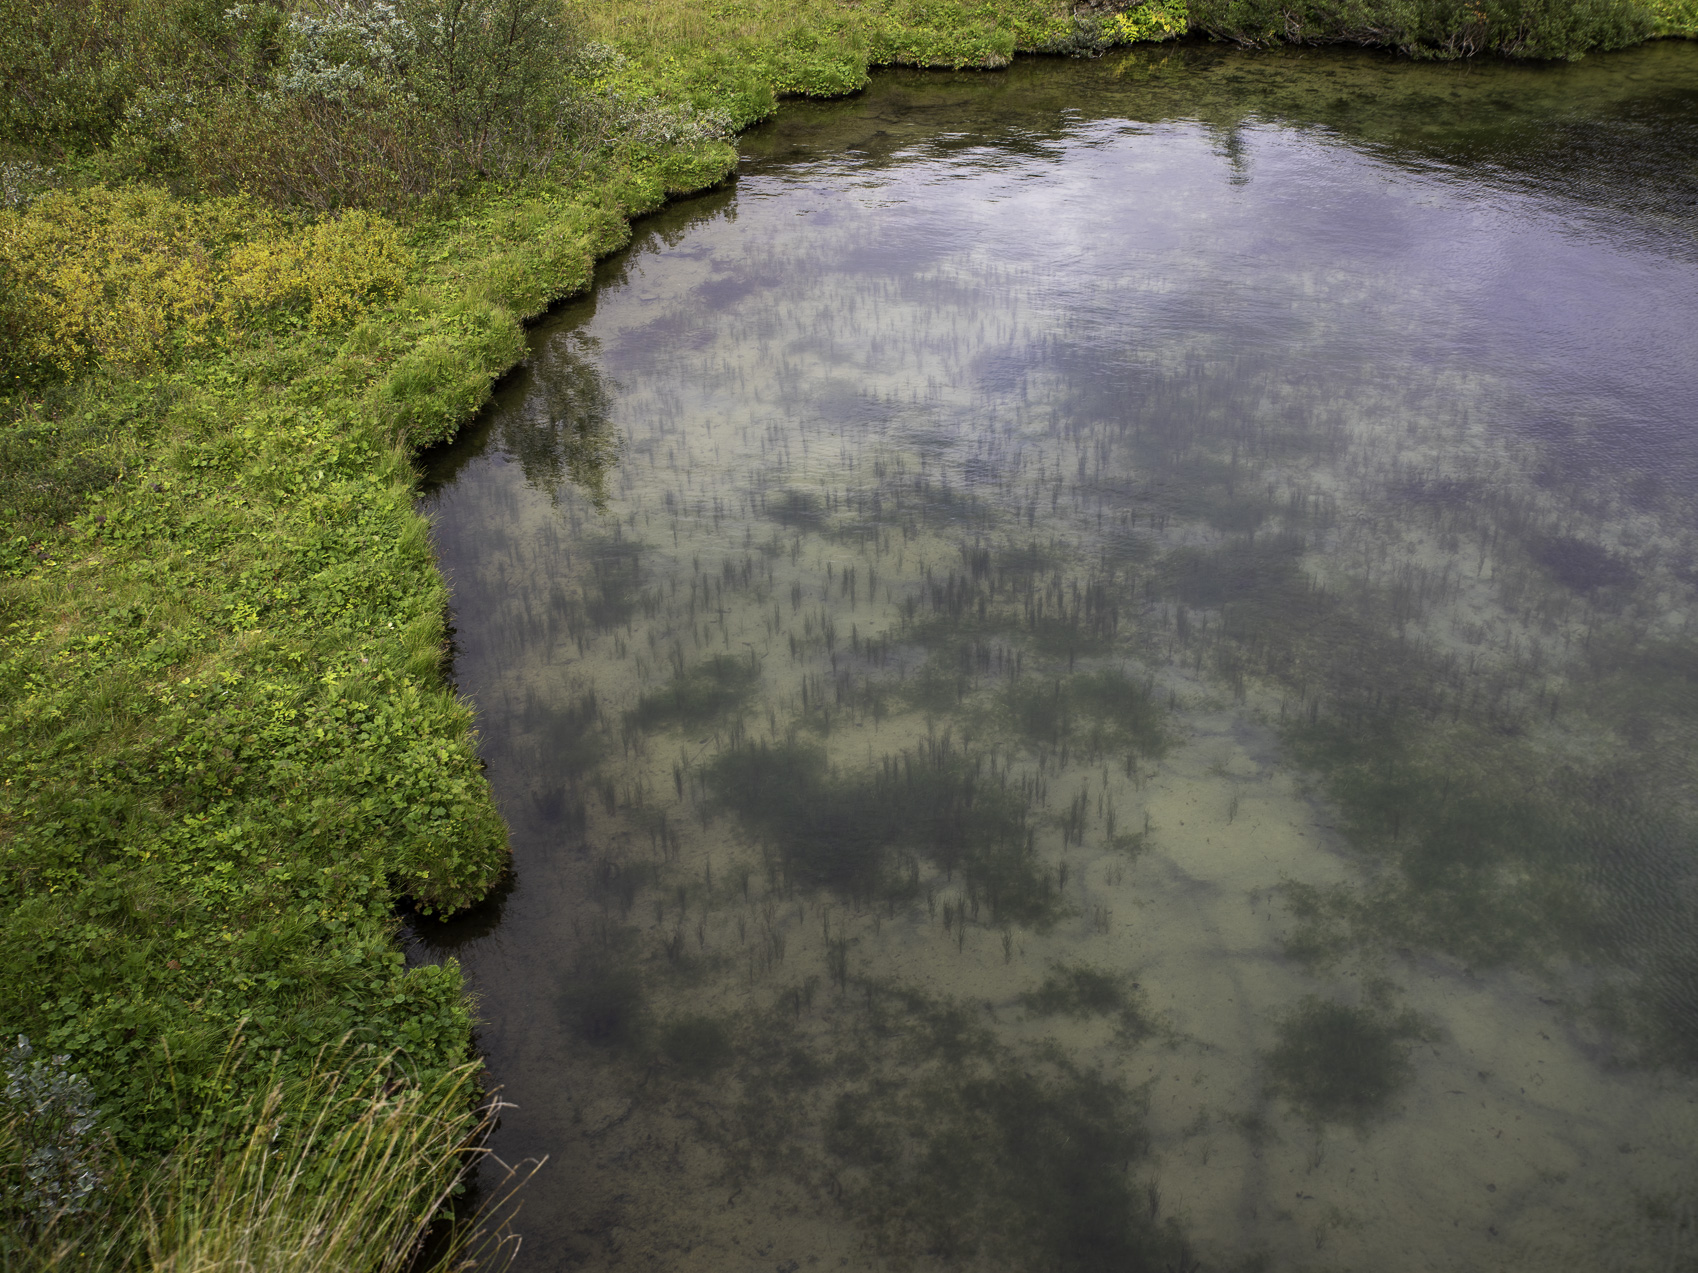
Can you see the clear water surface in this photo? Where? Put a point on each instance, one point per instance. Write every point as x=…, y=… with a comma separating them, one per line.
x=1094, y=668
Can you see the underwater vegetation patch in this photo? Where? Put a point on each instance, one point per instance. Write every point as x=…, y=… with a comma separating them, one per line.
x=1080, y=990
x=1486, y=863
x=1500, y=854
x=862, y=834
x=1641, y=686
x=1582, y=565
x=1342, y=1064
x=612, y=591
x=1001, y=592
x=1479, y=838
x=797, y=510
x=1104, y=711
x=938, y=688
x=823, y=831
x=924, y=501
x=1027, y=1159
x=1250, y=568
x=703, y=693
x=1434, y=492
x=1076, y=633
x=566, y=432
x=604, y=1003
x=698, y=1046
x=1646, y=881
x=952, y=1148
x=1660, y=1005
x=567, y=736
x=1017, y=561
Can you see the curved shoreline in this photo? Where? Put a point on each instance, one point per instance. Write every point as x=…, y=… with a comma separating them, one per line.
x=283, y=718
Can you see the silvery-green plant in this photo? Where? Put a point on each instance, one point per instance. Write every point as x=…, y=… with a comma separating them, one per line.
x=21, y=180
x=657, y=125
x=346, y=48
x=595, y=60
x=601, y=120
x=481, y=75
x=51, y=1133
x=598, y=113
x=487, y=68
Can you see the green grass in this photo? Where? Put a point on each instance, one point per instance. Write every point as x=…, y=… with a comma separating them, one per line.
x=1676, y=17
x=228, y=744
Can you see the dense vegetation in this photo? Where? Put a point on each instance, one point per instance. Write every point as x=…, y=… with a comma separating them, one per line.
x=252, y=257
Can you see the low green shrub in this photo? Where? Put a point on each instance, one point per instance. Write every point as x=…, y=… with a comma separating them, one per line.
x=318, y=153
x=74, y=74
x=1153, y=20
x=970, y=44
x=1548, y=29
x=1675, y=17
x=353, y=103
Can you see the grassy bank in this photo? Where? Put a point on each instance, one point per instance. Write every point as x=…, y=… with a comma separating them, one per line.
x=254, y=260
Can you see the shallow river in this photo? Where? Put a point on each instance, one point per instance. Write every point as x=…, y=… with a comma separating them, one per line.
x=1095, y=668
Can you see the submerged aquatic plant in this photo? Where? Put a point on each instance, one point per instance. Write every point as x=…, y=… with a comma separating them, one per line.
x=950, y=1146
x=699, y=694
x=855, y=833
x=604, y=1003
x=1104, y=711
x=569, y=435
x=698, y=1046
x=1026, y=1160
x=1342, y=1064
x=1081, y=990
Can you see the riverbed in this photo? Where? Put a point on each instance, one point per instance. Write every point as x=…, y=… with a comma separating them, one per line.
x=1095, y=667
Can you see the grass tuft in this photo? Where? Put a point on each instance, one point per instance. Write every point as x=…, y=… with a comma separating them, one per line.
x=347, y=1166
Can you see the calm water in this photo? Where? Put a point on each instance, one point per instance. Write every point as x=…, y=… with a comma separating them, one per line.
x=1094, y=668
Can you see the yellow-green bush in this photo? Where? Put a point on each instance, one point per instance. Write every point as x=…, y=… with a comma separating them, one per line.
x=330, y=270
x=120, y=276
x=134, y=277
x=1155, y=20
x=1676, y=17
